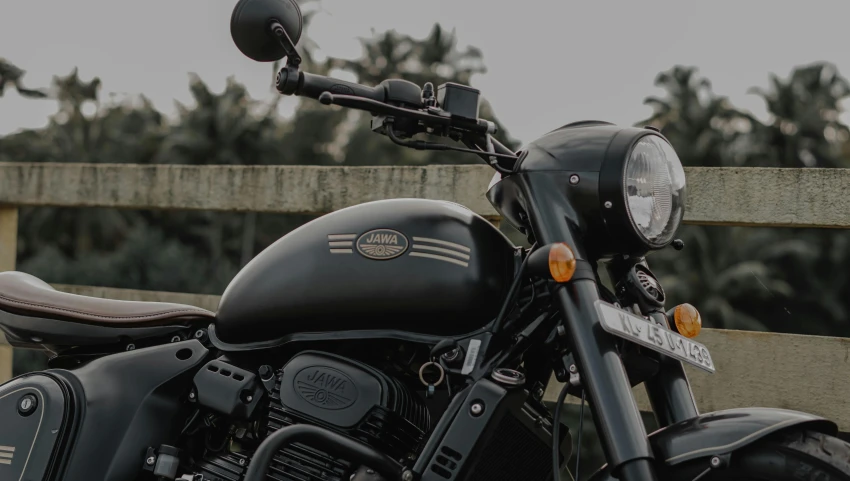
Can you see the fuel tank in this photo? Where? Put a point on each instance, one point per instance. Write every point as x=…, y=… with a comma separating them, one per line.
x=415, y=265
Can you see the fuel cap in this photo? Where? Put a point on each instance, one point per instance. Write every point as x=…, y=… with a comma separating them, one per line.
x=27, y=405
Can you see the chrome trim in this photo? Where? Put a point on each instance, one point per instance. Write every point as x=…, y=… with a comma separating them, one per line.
x=341, y=244
x=341, y=237
x=440, y=249
x=442, y=242
x=440, y=258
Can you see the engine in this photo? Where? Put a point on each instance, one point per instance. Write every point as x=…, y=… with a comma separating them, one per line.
x=318, y=388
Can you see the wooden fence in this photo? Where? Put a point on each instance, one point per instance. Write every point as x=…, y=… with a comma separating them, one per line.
x=807, y=373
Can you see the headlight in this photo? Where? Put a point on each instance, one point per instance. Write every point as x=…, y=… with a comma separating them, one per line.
x=654, y=183
x=621, y=190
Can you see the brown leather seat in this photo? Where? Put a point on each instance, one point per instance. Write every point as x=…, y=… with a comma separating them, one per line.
x=28, y=295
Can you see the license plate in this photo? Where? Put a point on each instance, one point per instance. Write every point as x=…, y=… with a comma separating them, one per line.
x=637, y=329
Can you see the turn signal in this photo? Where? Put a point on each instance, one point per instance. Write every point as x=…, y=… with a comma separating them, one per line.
x=687, y=319
x=562, y=262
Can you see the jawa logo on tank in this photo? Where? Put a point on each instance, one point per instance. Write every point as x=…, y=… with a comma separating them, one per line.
x=325, y=387
x=382, y=244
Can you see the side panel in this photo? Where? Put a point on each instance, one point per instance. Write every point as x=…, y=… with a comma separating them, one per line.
x=34, y=415
x=133, y=400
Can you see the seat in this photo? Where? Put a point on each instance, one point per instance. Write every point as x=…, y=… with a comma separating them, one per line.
x=33, y=312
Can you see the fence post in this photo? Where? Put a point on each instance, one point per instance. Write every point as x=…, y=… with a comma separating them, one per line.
x=8, y=255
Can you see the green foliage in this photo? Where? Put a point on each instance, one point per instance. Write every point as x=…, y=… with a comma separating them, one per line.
x=762, y=279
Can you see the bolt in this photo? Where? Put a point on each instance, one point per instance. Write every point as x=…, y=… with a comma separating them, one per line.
x=715, y=462
x=407, y=475
x=370, y=471
x=175, y=339
x=574, y=179
x=573, y=368
x=561, y=331
x=476, y=409
x=241, y=461
x=608, y=204
x=249, y=398
x=452, y=355
x=539, y=393
x=192, y=395
x=266, y=372
x=199, y=333
x=130, y=347
x=150, y=460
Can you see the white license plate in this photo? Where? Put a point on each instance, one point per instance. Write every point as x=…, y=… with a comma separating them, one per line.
x=637, y=329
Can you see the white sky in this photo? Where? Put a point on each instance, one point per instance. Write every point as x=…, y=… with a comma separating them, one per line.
x=550, y=61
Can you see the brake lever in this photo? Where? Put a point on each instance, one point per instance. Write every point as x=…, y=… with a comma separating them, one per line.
x=380, y=108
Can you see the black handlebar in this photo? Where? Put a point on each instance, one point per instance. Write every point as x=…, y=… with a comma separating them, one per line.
x=398, y=99
x=311, y=85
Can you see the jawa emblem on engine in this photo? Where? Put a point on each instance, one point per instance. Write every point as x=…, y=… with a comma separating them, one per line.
x=382, y=244
x=325, y=387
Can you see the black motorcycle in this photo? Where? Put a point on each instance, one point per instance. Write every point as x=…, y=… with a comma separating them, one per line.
x=405, y=339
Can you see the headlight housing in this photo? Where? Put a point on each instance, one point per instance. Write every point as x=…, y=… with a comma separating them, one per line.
x=642, y=190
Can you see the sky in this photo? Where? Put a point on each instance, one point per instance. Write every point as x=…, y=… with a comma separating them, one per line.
x=549, y=62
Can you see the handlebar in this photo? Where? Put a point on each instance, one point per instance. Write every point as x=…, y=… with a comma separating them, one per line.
x=311, y=85
x=400, y=99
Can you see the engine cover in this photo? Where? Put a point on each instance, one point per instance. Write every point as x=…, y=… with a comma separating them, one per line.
x=350, y=398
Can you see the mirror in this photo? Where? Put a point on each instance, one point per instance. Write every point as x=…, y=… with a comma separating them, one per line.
x=251, y=32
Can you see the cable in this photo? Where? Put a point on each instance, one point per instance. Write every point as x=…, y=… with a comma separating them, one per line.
x=423, y=145
x=497, y=325
x=556, y=434
x=580, y=429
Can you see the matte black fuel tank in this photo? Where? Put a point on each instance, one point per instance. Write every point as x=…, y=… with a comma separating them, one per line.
x=423, y=266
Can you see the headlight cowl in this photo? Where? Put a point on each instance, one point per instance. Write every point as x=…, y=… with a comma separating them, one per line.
x=642, y=191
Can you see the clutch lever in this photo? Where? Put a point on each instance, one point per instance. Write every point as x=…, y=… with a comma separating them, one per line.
x=381, y=108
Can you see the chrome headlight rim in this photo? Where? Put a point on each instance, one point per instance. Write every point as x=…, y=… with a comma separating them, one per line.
x=613, y=198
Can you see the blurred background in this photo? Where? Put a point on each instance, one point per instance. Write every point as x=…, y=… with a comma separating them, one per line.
x=730, y=84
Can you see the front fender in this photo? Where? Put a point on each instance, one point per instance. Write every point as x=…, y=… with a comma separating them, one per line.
x=723, y=432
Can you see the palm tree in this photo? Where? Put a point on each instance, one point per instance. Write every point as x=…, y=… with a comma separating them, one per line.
x=804, y=129
x=700, y=125
x=12, y=75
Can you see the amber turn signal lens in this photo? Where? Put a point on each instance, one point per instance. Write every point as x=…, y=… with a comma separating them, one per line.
x=687, y=319
x=562, y=262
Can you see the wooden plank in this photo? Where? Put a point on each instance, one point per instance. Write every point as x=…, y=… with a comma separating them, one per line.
x=789, y=371
x=8, y=256
x=750, y=196
x=733, y=196
x=282, y=189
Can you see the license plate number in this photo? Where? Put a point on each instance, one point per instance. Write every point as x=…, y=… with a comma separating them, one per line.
x=637, y=329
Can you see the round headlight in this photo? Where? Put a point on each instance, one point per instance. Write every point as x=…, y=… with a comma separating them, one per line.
x=654, y=183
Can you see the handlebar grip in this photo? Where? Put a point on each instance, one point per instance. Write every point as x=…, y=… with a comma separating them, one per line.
x=311, y=85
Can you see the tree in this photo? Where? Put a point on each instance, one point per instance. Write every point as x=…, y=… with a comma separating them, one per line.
x=804, y=129
x=12, y=75
x=701, y=125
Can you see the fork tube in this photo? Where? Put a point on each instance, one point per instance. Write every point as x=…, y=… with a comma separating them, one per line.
x=615, y=412
x=669, y=391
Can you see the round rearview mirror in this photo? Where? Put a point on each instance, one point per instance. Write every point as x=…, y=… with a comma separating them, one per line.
x=250, y=27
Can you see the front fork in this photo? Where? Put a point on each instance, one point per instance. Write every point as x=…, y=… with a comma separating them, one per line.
x=615, y=412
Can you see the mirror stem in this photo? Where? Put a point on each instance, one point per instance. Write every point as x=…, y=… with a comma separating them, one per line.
x=292, y=57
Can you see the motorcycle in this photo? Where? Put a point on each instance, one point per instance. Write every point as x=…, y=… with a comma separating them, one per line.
x=405, y=339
